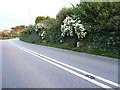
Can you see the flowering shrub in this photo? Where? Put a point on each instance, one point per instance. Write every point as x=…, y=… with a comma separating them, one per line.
x=43, y=34
x=73, y=26
x=38, y=26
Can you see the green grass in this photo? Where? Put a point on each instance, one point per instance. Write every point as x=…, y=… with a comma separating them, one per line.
x=2, y=38
x=83, y=50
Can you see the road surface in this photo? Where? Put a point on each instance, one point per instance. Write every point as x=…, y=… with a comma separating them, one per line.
x=26, y=65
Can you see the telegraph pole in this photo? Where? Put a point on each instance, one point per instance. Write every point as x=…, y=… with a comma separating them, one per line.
x=29, y=17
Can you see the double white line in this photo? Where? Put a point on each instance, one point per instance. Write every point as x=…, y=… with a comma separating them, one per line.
x=72, y=69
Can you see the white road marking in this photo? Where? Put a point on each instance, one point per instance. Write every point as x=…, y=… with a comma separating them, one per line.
x=77, y=69
x=52, y=61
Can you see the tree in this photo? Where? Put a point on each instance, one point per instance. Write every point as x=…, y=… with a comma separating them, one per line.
x=62, y=14
x=96, y=14
x=41, y=18
x=14, y=33
x=4, y=34
x=101, y=20
x=19, y=28
x=49, y=23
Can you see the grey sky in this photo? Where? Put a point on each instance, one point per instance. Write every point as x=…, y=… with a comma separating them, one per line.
x=16, y=12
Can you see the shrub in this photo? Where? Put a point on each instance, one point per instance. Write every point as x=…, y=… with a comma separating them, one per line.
x=72, y=26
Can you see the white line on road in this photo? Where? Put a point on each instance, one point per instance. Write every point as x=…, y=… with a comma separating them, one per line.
x=77, y=69
x=52, y=61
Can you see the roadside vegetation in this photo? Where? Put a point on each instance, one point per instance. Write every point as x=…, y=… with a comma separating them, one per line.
x=13, y=33
x=88, y=27
x=4, y=35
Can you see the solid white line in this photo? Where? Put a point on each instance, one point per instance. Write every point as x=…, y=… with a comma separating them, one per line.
x=77, y=69
x=70, y=71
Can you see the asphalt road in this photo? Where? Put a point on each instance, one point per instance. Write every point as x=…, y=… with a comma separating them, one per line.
x=26, y=65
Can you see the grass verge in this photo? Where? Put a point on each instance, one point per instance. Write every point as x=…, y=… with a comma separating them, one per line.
x=83, y=50
x=2, y=38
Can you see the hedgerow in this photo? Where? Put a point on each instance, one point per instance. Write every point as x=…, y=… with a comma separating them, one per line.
x=94, y=25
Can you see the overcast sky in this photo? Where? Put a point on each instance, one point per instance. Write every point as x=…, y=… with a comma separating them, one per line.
x=16, y=12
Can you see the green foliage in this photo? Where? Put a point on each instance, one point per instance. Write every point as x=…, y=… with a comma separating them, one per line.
x=15, y=30
x=62, y=15
x=56, y=31
x=41, y=18
x=113, y=27
x=29, y=35
x=49, y=23
x=96, y=14
x=100, y=19
x=19, y=28
x=102, y=22
x=72, y=26
x=4, y=34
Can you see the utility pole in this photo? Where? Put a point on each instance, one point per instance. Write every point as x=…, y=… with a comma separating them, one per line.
x=29, y=17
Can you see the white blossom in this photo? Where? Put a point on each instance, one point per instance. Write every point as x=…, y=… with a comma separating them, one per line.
x=79, y=21
x=39, y=34
x=61, y=41
x=42, y=34
x=62, y=34
x=71, y=26
x=36, y=29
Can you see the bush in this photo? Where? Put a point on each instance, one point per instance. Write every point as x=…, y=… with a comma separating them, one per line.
x=30, y=35
x=101, y=22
